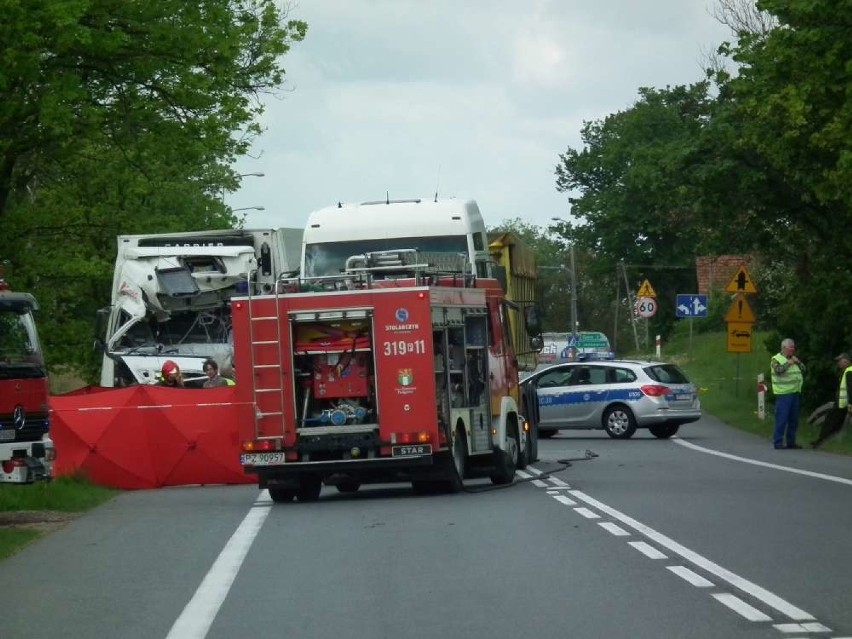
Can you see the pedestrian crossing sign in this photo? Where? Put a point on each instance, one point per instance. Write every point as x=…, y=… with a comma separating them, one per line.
x=646, y=290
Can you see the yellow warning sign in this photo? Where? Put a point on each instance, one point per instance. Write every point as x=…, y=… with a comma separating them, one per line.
x=741, y=283
x=740, y=311
x=646, y=290
x=739, y=337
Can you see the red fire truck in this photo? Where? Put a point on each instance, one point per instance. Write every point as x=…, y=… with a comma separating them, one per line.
x=398, y=369
x=26, y=450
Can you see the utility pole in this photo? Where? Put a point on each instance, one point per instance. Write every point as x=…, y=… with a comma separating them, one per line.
x=573, y=273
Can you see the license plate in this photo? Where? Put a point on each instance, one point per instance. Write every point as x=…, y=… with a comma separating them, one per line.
x=7, y=435
x=683, y=397
x=262, y=459
x=408, y=451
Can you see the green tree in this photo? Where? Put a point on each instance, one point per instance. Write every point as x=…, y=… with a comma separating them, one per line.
x=121, y=117
x=633, y=189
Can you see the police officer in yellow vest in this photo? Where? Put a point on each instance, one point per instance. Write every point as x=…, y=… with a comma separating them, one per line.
x=787, y=379
x=836, y=417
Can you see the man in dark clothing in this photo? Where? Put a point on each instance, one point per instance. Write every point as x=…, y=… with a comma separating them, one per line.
x=836, y=416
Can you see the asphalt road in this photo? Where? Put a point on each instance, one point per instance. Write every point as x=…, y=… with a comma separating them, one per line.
x=712, y=534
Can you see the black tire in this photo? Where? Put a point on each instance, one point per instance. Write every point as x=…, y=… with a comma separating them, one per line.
x=619, y=422
x=525, y=458
x=663, y=431
x=546, y=434
x=533, y=449
x=281, y=495
x=310, y=487
x=458, y=463
x=348, y=487
x=507, y=460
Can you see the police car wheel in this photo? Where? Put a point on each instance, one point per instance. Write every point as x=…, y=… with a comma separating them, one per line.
x=618, y=422
x=348, y=487
x=663, y=431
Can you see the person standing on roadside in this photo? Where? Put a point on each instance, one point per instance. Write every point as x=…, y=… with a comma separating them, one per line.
x=787, y=377
x=836, y=416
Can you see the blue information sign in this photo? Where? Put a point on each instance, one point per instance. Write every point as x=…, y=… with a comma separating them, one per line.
x=691, y=305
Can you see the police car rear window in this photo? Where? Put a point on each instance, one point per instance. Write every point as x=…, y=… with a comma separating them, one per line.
x=667, y=374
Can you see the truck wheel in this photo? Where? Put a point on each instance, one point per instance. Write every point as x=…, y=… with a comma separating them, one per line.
x=663, y=431
x=525, y=458
x=459, y=461
x=281, y=495
x=546, y=434
x=507, y=460
x=309, y=489
x=348, y=487
x=618, y=422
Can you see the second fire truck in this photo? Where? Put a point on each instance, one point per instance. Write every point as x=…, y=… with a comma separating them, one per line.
x=398, y=368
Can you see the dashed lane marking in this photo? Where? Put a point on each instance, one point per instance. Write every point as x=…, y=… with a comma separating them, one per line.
x=647, y=549
x=615, y=529
x=588, y=514
x=741, y=607
x=691, y=577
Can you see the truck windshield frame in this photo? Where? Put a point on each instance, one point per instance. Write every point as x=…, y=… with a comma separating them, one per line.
x=19, y=344
x=323, y=259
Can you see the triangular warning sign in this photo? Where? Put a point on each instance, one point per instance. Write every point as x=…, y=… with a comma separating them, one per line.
x=646, y=290
x=741, y=283
x=740, y=311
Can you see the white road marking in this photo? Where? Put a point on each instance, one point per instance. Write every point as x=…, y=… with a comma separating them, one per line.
x=755, y=462
x=615, y=529
x=199, y=613
x=538, y=483
x=588, y=514
x=752, y=589
x=565, y=500
x=522, y=474
x=801, y=627
x=741, y=607
x=692, y=577
x=647, y=549
x=558, y=482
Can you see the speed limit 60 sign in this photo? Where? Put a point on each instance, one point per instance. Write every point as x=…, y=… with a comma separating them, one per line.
x=646, y=307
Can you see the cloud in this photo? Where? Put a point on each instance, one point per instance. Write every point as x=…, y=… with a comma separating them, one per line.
x=472, y=99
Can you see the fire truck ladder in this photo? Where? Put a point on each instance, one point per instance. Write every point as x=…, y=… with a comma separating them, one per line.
x=265, y=398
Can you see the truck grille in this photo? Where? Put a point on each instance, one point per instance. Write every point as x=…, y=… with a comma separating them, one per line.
x=35, y=425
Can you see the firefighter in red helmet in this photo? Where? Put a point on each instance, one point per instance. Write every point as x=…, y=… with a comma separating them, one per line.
x=170, y=374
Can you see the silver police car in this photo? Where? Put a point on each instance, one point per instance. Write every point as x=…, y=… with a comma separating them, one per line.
x=617, y=396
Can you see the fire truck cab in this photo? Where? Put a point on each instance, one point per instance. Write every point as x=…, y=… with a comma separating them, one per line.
x=26, y=450
x=398, y=369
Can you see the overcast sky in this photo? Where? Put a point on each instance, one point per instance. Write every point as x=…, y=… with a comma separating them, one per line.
x=469, y=98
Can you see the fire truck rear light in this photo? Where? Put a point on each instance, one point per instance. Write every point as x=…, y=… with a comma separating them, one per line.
x=259, y=445
x=423, y=438
x=656, y=390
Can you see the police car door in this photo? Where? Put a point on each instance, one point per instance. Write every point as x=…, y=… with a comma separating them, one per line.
x=588, y=392
x=552, y=390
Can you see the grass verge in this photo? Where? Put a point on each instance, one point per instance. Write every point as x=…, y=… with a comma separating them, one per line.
x=728, y=384
x=28, y=511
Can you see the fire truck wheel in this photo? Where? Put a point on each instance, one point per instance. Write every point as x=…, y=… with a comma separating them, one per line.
x=618, y=422
x=348, y=487
x=281, y=495
x=507, y=460
x=309, y=489
x=459, y=460
x=525, y=458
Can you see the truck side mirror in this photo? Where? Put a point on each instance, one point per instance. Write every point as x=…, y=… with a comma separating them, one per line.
x=536, y=343
x=532, y=319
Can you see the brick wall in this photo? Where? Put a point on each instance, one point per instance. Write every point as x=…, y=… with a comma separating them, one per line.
x=716, y=272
